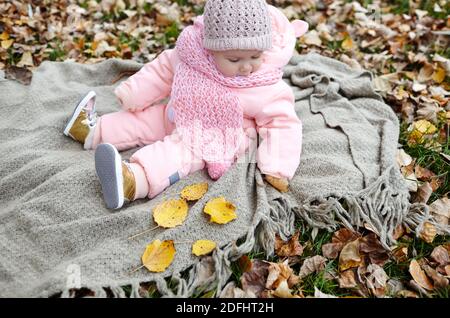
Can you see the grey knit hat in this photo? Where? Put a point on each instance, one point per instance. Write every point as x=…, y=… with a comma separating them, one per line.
x=237, y=25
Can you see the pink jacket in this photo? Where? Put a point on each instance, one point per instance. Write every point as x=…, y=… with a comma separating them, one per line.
x=269, y=109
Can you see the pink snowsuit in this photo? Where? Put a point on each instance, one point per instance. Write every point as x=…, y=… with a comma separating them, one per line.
x=164, y=159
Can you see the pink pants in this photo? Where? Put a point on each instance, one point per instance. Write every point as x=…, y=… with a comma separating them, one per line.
x=164, y=159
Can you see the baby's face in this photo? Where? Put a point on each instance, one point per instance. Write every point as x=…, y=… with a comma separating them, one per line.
x=237, y=62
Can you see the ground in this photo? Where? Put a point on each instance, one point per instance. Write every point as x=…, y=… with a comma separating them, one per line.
x=406, y=46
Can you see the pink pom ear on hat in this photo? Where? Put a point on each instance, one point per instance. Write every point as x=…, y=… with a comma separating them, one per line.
x=300, y=27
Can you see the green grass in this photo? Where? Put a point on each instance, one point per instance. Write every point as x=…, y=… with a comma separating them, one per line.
x=57, y=52
x=133, y=43
x=424, y=249
x=322, y=237
x=399, y=271
x=442, y=293
x=400, y=6
x=172, y=31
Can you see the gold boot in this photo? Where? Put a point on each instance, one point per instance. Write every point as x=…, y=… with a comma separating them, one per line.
x=83, y=120
x=129, y=182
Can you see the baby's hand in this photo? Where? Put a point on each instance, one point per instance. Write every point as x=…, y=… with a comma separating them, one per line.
x=281, y=184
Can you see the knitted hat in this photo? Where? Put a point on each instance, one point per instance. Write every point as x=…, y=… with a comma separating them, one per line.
x=237, y=25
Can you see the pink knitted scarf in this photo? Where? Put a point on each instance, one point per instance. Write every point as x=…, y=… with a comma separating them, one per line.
x=208, y=115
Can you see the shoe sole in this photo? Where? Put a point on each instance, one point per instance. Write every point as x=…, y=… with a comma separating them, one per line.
x=108, y=164
x=78, y=110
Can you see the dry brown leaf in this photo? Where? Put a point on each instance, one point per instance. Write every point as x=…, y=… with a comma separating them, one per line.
x=410, y=177
x=26, y=60
x=426, y=73
x=417, y=87
x=400, y=254
x=231, y=291
x=376, y=279
x=255, y=280
x=171, y=213
x=158, y=255
x=245, y=263
x=370, y=245
x=350, y=256
x=447, y=247
x=447, y=270
x=289, y=248
x=423, y=173
x=440, y=210
x=220, y=210
x=407, y=294
x=281, y=184
x=398, y=232
x=20, y=74
x=319, y=294
x=283, y=291
x=311, y=265
x=435, y=183
x=332, y=250
x=344, y=236
x=278, y=272
x=195, y=191
x=206, y=269
x=403, y=159
x=438, y=280
x=423, y=193
x=347, y=279
x=311, y=38
x=440, y=255
x=428, y=232
x=338, y=241
x=419, y=275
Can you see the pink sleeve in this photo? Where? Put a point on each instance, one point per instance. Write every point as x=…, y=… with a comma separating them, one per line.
x=152, y=83
x=280, y=132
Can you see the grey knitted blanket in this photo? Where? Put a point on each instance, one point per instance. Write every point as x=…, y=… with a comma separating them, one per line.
x=56, y=234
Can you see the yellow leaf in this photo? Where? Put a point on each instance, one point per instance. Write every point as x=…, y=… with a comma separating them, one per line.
x=203, y=247
x=220, y=210
x=194, y=192
x=350, y=256
x=170, y=213
x=425, y=127
x=158, y=255
x=4, y=36
x=439, y=75
x=419, y=275
x=347, y=44
x=415, y=137
x=7, y=43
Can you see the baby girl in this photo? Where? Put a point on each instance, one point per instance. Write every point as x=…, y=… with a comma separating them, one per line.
x=224, y=80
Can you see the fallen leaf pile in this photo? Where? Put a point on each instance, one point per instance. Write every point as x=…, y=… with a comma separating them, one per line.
x=351, y=262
